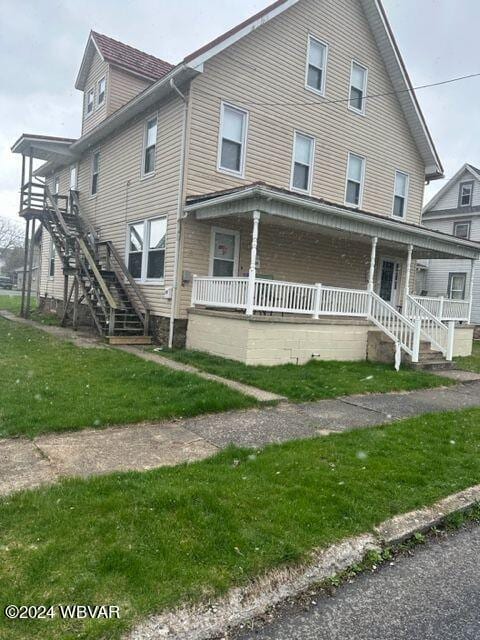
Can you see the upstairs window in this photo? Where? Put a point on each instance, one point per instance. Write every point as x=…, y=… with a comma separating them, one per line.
x=90, y=101
x=51, y=262
x=56, y=186
x=73, y=177
x=465, y=194
x=233, y=135
x=355, y=180
x=146, y=249
x=456, y=285
x=316, y=65
x=150, y=145
x=358, y=87
x=303, y=158
x=95, y=173
x=462, y=229
x=101, y=92
x=400, y=194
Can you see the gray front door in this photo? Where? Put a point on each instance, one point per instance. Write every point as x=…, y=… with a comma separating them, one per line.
x=389, y=281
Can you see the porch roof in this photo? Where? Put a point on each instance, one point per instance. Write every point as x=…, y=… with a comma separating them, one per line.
x=49, y=148
x=282, y=203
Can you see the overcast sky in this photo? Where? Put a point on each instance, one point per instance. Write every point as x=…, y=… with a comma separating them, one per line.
x=42, y=43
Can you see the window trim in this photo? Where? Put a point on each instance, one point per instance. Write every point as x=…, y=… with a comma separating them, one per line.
x=322, y=91
x=236, y=258
x=471, y=183
x=51, y=257
x=458, y=222
x=143, y=280
x=73, y=166
x=87, y=112
x=55, y=182
x=150, y=174
x=362, y=182
x=360, y=112
x=243, y=156
x=296, y=133
x=407, y=189
x=94, y=153
x=99, y=105
x=451, y=275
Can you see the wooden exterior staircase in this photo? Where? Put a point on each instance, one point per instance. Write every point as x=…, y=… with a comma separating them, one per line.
x=99, y=277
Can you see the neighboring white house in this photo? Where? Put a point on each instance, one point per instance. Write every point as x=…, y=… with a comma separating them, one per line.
x=455, y=210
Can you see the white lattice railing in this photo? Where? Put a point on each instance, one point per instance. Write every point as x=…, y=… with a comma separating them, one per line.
x=404, y=332
x=445, y=308
x=436, y=332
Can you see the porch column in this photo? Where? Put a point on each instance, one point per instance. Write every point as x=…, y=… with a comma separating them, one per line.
x=472, y=279
x=373, y=258
x=30, y=270
x=253, y=261
x=407, y=275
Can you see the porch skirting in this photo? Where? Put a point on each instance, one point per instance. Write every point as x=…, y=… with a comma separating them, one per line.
x=272, y=340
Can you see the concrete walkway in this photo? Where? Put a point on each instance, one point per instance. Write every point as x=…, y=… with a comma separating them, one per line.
x=30, y=463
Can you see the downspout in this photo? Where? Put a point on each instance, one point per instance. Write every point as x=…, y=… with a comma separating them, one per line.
x=181, y=184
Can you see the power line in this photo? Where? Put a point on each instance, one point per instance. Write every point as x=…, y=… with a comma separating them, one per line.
x=372, y=96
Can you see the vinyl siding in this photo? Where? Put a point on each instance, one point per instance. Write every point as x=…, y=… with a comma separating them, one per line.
x=449, y=200
x=98, y=70
x=268, y=67
x=122, y=88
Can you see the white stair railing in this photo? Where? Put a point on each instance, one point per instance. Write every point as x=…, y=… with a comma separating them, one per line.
x=404, y=332
x=434, y=330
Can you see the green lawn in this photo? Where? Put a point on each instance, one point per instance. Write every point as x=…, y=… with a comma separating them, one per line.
x=471, y=363
x=10, y=302
x=148, y=541
x=51, y=385
x=316, y=379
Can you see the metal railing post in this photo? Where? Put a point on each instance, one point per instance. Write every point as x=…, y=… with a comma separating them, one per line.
x=451, y=340
x=416, y=339
x=193, y=299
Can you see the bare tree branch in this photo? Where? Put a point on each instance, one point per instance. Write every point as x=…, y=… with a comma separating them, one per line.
x=11, y=234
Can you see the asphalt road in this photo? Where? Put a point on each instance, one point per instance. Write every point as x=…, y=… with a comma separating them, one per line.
x=432, y=595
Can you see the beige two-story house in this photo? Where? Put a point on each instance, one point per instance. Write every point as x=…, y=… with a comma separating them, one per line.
x=260, y=200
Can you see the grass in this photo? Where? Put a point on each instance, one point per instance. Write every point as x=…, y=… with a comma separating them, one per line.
x=10, y=303
x=52, y=385
x=149, y=541
x=471, y=363
x=316, y=379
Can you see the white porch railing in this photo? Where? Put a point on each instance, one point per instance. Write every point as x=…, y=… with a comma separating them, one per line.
x=404, y=332
x=439, y=334
x=445, y=308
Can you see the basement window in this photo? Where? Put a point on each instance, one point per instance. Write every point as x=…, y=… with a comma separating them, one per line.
x=146, y=249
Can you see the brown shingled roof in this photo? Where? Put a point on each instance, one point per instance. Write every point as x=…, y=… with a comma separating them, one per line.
x=130, y=58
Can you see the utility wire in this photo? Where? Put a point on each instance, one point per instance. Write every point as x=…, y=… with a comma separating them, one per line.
x=323, y=103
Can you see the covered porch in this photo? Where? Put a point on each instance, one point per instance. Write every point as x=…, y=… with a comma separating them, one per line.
x=278, y=254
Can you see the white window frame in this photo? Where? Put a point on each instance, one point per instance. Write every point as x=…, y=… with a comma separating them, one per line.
x=465, y=183
x=146, y=243
x=100, y=104
x=92, y=92
x=236, y=258
x=451, y=276
x=151, y=117
x=320, y=92
x=364, y=102
x=56, y=185
x=94, y=153
x=407, y=189
x=73, y=167
x=312, y=162
x=243, y=156
x=362, y=183
x=51, y=257
x=467, y=223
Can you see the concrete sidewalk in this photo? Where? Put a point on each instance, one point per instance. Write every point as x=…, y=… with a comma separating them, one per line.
x=30, y=463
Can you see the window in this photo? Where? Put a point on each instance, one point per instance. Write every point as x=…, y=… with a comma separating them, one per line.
x=358, y=87
x=51, y=262
x=303, y=158
x=462, y=229
x=316, y=65
x=101, y=92
x=90, y=101
x=233, y=134
x=456, y=285
x=95, y=172
x=224, y=253
x=56, y=185
x=73, y=177
x=400, y=194
x=146, y=249
x=465, y=194
x=355, y=180
x=150, y=145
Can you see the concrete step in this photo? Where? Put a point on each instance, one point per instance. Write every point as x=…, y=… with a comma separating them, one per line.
x=433, y=365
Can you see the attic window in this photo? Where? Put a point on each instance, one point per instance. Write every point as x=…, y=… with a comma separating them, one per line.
x=316, y=65
x=358, y=86
x=101, y=92
x=466, y=192
x=90, y=101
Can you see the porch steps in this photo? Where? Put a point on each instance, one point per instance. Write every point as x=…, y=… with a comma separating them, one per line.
x=381, y=349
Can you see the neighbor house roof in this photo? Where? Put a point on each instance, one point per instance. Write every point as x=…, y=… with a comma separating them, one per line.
x=465, y=168
x=123, y=56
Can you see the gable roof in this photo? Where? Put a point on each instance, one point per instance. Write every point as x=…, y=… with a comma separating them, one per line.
x=123, y=56
x=469, y=168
